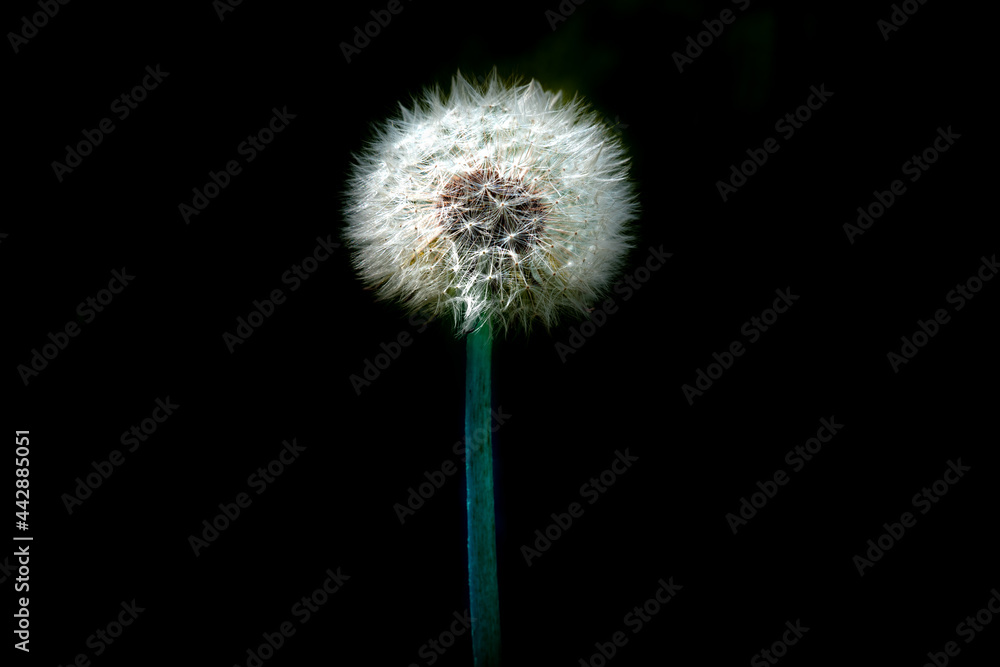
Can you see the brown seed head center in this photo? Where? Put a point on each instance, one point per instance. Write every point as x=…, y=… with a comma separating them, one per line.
x=482, y=210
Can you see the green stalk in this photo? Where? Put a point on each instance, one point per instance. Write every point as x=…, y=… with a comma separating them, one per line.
x=483, y=596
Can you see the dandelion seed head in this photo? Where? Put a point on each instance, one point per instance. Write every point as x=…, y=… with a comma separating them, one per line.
x=496, y=201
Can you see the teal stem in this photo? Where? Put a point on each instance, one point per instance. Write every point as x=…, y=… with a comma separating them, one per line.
x=483, y=595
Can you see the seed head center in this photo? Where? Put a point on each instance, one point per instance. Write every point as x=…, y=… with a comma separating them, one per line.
x=484, y=211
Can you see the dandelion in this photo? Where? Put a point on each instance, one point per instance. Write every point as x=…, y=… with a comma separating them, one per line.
x=498, y=203
x=497, y=206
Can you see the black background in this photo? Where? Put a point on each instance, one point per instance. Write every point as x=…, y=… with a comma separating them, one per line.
x=334, y=507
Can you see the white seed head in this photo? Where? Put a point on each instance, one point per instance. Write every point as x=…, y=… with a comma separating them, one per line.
x=498, y=201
